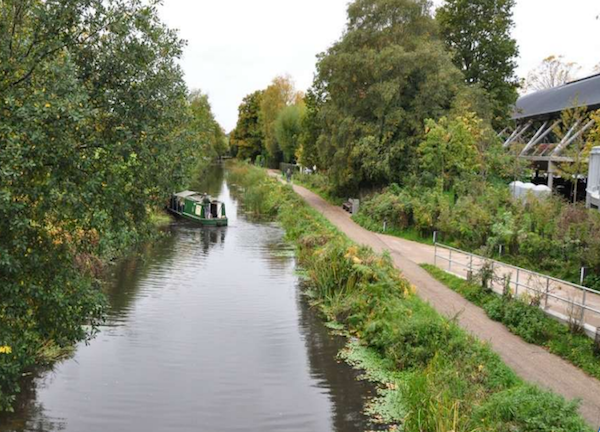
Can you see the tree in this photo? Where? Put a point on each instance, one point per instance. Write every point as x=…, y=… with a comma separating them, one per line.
x=94, y=135
x=478, y=34
x=378, y=84
x=450, y=150
x=579, y=149
x=276, y=97
x=288, y=128
x=554, y=71
x=248, y=135
x=207, y=133
x=311, y=128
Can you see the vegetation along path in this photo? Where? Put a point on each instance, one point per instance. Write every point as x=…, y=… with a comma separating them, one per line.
x=531, y=362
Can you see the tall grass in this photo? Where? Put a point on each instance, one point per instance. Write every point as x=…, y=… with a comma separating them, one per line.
x=437, y=377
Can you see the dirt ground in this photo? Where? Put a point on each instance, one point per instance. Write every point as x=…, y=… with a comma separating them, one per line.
x=531, y=362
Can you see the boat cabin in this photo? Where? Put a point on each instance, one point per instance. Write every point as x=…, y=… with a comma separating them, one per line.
x=198, y=207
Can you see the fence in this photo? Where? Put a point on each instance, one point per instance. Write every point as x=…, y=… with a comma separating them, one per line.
x=573, y=303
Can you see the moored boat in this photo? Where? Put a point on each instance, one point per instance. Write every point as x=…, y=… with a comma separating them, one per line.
x=199, y=208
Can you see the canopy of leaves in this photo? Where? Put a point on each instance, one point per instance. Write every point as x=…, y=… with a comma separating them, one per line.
x=277, y=96
x=288, y=128
x=478, y=32
x=207, y=133
x=379, y=83
x=450, y=150
x=248, y=136
x=94, y=133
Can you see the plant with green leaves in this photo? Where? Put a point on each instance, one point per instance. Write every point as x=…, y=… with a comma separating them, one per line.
x=288, y=128
x=378, y=84
x=478, y=33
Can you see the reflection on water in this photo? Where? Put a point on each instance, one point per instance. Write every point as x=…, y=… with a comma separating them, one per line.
x=207, y=331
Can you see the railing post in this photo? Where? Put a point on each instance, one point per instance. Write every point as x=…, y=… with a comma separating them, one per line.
x=547, y=291
x=450, y=261
x=517, y=283
x=583, y=307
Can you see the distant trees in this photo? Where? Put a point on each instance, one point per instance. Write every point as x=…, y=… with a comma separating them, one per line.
x=554, y=71
x=269, y=122
x=477, y=32
x=248, y=135
x=288, y=128
x=204, y=129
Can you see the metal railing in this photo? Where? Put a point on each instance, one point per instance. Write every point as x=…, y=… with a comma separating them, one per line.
x=576, y=299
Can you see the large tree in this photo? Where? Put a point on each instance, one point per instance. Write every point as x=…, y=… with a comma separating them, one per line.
x=478, y=35
x=277, y=96
x=379, y=84
x=248, y=135
x=288, y=128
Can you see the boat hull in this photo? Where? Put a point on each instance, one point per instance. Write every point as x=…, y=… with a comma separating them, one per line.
x=219, y=222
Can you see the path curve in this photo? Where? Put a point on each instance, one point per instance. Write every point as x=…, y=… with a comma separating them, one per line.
x=530, y=362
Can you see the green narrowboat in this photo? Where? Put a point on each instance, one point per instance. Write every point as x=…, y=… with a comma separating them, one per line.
x=199, y=208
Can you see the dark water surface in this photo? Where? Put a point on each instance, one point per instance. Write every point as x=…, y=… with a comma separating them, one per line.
x=207, y=332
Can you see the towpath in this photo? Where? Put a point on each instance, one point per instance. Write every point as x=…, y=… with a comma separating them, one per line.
x=531, y=362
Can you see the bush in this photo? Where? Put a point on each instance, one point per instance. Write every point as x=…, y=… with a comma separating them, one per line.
x=528, y=409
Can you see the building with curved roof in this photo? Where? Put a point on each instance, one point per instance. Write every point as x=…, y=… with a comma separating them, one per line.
x=540, y=135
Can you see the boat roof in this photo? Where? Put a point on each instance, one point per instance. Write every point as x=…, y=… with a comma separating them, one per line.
x=186, y=194
x=195, y=196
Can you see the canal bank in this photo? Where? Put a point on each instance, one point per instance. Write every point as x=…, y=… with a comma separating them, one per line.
x=448, y=379
x=206, y=330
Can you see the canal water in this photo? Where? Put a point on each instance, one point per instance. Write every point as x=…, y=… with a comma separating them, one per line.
x=207, y=331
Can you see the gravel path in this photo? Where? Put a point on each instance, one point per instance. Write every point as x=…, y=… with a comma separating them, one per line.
x=530, y=362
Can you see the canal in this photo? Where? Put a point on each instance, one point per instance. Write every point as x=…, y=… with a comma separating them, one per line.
x=207, y=331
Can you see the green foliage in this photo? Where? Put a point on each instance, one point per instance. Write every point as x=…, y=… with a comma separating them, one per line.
x=276, y=97
x=310, y=131
x=478, y=33
x=529, y=409
x=288, y=127
x=93, y=135
x=449, y=150
x=546, y=235
x=248, y=135
x=207, y=133
x=436, y=377
x=527, y=321
x=378, y=84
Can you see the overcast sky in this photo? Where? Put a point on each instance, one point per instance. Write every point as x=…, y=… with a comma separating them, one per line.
x=238, y=46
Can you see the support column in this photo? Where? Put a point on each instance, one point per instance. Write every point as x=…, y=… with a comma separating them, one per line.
x=550, y=175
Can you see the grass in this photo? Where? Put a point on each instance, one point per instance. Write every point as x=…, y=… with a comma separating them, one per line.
x=433, y=375
x=409, y=233
x=318, y=184
x=528, y=322
x=159, y=218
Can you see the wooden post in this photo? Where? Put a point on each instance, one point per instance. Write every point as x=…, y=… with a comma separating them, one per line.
x=517, y=283
x=450, y=261
x=547, y=291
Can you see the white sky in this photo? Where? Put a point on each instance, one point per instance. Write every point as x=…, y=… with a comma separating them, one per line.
x=238, y=46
